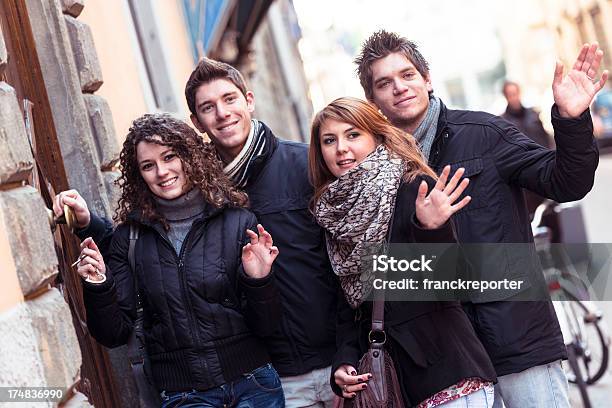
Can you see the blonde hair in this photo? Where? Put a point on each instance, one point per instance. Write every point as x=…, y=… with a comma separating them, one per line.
x=365, y=116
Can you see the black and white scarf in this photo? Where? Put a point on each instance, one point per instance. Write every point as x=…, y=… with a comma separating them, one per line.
x=259, y=146
x=425, y=133
x=356, y=211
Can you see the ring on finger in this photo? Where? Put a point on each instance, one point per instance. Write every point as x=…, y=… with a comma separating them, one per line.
x=589, y=78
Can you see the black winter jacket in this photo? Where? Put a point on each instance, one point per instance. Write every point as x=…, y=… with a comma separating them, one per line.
x=432, y=344
x=203, y=315
x=500, y=160
x=279, y=196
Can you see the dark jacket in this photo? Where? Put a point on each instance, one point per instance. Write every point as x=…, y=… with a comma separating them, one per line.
x=204, y=317
x=432, y=344
x=499, y=160
x=279, y=196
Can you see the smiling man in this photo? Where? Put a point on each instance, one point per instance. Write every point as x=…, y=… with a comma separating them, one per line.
x=523, y=339
x=274, y=173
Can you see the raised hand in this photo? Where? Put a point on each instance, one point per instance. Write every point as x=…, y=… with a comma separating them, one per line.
x=90, y=265
x=574, y=92
x=258, y=255
x=435, y=209
x=73, y=199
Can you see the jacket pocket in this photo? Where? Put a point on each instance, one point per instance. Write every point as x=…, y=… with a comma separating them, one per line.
x=473, y=169
x=419, y=338
x=217, y=286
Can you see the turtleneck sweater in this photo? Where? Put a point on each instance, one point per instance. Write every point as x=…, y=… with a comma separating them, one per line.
x=180, y=213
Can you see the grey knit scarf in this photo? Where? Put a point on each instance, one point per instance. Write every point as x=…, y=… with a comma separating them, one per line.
x=425, y=133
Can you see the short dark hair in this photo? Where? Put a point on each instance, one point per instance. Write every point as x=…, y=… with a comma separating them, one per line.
x=379, y=45
x=208, y=70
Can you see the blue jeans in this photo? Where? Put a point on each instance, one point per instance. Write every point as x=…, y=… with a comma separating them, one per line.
x=482, y=398
x=543, y=386
x=260, y=388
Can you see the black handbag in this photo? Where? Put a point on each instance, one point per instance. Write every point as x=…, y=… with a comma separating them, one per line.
x=137, y=353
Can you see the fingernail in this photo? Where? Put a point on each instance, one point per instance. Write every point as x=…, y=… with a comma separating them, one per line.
x=364, y=386
x=353, y=372
x=369, y=376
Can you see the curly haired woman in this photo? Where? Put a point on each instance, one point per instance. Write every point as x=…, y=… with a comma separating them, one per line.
x=203, y=275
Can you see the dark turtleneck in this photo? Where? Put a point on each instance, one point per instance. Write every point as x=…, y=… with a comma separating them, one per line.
x=180, y=213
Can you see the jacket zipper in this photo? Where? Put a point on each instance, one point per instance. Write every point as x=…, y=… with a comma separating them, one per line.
x=185, y=293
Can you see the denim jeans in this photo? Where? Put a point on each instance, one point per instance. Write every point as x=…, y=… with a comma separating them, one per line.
x=482, y=398
x=260, y=388
x=309, y=390
x=543, y=386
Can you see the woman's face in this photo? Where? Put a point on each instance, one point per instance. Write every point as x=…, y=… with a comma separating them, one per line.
x=161, y=169
x=344, y=146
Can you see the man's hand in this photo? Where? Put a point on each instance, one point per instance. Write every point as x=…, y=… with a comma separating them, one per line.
x=73, y=199
x=574, y=92
x=258, y=255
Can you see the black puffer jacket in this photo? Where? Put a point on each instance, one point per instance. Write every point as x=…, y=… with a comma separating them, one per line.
x=499, y=161
x=203, y=315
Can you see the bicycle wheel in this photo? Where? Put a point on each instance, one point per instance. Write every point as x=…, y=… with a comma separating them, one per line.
x=579, y=381
x=592, y=348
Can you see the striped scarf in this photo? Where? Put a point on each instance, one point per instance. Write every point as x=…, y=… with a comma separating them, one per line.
x=259, y=145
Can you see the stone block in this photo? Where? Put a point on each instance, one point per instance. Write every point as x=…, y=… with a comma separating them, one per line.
x=30, y=239
x=3, y=54
x=73, y=7
x=85, y=56
x=103, y=128
x=16, y=160
x=56, y=339
x=10, y=289
x=63, y=87
x=114, y=192
x=20, y=361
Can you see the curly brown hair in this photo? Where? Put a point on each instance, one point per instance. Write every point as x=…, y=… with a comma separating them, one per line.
x=202, y=168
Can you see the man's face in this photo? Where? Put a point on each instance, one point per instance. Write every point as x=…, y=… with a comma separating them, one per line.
x=513, y=96
x=224, y=113
x=400, y=91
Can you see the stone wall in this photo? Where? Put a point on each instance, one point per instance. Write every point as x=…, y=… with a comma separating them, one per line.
x=38, y=342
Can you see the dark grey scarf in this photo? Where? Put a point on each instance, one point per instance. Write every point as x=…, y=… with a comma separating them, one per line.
x=425, y=133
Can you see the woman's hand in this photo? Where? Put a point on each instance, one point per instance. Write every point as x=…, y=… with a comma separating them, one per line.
x=433, y=210
x=258, y=255
x=90, y=264
x=347, y=379
x=72, y=199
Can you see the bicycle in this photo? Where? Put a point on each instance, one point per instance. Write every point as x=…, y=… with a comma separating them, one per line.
x=586, y=340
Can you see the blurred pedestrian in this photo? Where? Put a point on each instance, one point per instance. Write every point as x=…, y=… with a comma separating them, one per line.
x=527, y=120
x=522, y=338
